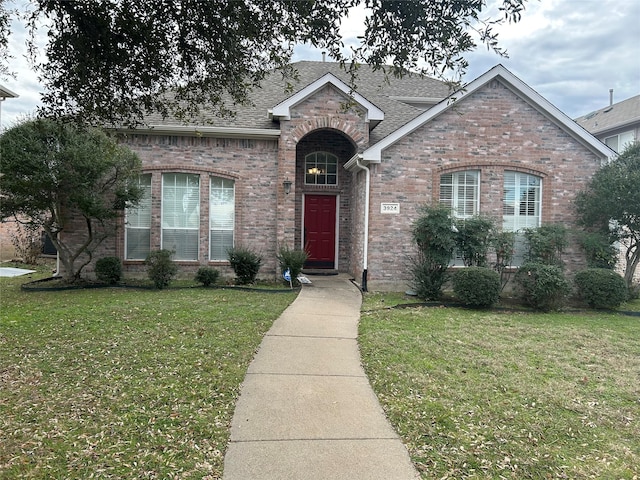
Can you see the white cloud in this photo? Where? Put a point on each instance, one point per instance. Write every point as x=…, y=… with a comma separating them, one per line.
x=572, y=52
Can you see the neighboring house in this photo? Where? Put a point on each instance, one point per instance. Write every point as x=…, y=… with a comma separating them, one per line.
x=7, y=227
x=616, y=125
x=6, y=93
x=343, y=173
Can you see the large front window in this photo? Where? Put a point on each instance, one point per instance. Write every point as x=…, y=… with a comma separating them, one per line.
x=321, y=168
x=181, y=214
x=521, y=205
x=138, y=223
x=459, y=191
x=221, y=217
x=521, y=201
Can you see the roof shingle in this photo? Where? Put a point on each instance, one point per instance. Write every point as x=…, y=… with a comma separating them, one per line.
x=612, y=117
x=371, y=84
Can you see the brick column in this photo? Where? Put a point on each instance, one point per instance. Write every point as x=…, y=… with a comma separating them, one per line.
x=286, y=204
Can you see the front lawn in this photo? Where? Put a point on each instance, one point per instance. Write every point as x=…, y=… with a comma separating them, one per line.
x=123, y=383
x=508, y=395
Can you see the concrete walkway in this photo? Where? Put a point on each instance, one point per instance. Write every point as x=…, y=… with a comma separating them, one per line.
x=306, y=409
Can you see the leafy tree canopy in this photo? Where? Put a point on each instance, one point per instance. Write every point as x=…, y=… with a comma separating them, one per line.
x=56, y=173
x=119, y=60
x=611, y=203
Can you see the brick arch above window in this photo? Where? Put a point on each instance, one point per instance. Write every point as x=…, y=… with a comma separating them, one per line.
x=496, y=169
x=179, y=168
x=338, y=124
x=516, y=167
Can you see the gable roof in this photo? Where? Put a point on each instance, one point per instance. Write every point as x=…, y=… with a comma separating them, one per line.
x=395, y=97
x=373, y=154
x=6, y=93
x=283, y=109
x=612, y=117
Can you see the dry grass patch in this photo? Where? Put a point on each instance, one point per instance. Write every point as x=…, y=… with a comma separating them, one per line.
x=508, y=395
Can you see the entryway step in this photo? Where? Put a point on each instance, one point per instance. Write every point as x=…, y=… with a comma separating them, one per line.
x=319, y=271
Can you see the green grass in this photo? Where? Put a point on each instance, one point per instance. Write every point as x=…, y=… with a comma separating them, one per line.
x=508, y=395
x=122, y=383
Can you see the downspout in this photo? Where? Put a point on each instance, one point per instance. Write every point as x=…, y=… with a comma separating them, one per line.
x=365, y=247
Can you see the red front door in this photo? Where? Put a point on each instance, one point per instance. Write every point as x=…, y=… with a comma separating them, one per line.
x=320, y=230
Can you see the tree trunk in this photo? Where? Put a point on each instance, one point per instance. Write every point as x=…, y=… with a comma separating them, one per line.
x=633, y=259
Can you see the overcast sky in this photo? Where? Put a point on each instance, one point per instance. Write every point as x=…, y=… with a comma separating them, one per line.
x=570, y=51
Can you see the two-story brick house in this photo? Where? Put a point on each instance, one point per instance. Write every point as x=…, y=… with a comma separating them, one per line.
x=343, y=173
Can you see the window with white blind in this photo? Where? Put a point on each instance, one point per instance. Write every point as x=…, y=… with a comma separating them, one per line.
x=321, y=168
x=521, y=207
x=459, y=191
x=521, y=201
x=181, y=214
x=221, y=217
x=138, y=223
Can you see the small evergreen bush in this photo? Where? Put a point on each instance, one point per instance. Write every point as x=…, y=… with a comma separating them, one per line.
x=109, y=270
x=293, y=260
x=599, y=249
x=601, y=287
x=434, y=236
x=541, y=286
x=477, y=287
x=503, y=244
x=160, y=268
x=207, y=276
x=473, y=240
x=546, y=244
x=245, y=263
x=426, y=280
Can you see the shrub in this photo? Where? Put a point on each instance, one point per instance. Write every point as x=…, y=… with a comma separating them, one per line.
x=601, y=287
x=541, y=286
x=477, y=287
x=426, y=279
x=161, y=269
x=109, y=270
x=473, y=240
x=599, y=249
x=503, y=244
x=293, y=260
x=27, y=241
x=207, y=276
x=245, y=263
x=546, y=244
x=435, y=238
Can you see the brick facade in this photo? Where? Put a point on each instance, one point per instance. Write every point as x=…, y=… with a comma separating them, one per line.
x=492, y=129
x=265, y=217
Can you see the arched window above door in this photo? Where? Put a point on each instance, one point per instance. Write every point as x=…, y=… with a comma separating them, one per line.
x=321, y=168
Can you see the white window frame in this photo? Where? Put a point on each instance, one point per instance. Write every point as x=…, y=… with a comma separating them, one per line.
x=321, y=168
x=138, y=218
x=517, y=221
x=190, y=222
x=221, y=215
x=620, y=141
x=459, y=190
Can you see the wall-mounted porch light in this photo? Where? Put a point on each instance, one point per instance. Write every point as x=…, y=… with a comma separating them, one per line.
x=286, y=184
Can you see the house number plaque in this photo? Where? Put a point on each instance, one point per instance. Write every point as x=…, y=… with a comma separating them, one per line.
x=393, y=208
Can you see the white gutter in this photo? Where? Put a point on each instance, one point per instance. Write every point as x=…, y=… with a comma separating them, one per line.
x=206, y=131
x=365, y=245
